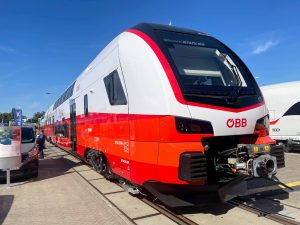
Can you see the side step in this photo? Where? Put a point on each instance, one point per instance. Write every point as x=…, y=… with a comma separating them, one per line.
x=181, y=196
x=130, y=188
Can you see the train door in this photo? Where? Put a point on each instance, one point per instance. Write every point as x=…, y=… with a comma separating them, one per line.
x=53, y=128
x=117, y=129
x=73, y=125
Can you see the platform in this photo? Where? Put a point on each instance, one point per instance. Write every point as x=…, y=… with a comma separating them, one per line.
x=57, y=196
x=70, y=192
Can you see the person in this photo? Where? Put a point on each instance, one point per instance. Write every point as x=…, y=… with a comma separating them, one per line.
x=40, y=141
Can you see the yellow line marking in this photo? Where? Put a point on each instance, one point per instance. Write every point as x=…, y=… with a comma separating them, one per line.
x=291, y=184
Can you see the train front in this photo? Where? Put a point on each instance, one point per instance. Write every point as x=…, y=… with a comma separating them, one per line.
x=225, y=141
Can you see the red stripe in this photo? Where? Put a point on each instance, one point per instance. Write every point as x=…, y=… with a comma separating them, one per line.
x=164, y=62
x=274, y=122
x=172, y=79
x=227, y=109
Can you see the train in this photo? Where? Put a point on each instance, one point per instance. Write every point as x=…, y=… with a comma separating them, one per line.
x=166, y=108
x=283, y=102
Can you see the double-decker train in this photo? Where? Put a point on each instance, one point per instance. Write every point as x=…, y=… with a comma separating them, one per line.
x=162, y=106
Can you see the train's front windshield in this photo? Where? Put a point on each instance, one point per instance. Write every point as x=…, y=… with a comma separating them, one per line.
x=202, y=62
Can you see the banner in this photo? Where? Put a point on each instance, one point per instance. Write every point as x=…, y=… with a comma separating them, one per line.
x=17, y=114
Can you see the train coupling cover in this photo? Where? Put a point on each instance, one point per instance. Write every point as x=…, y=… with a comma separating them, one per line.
x=260, y=171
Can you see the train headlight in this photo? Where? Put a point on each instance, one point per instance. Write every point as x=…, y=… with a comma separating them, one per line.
x=192, y=126
x=262, y=126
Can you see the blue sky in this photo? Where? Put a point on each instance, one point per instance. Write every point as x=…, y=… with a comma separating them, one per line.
x=44, y=45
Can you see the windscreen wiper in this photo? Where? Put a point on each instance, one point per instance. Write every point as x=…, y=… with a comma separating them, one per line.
x=236, y=91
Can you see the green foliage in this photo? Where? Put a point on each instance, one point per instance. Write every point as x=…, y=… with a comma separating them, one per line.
x=6, y=117
x=36, y=117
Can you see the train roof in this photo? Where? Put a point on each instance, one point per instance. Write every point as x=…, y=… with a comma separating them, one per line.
x=147, y=28
x=281, y=85
x=150, y=27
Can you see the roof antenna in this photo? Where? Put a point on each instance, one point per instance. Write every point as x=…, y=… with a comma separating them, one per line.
x=170, y=23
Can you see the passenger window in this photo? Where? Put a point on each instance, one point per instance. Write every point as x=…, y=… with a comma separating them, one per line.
x=294, y=110
x=62, y=130
x=114, y=89
x=86, y=106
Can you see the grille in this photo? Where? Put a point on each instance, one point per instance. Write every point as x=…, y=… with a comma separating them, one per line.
x=192, y=166
x=277, y=151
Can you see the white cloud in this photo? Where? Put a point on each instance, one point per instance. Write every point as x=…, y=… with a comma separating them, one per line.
x=8, y=49
x=259, y=48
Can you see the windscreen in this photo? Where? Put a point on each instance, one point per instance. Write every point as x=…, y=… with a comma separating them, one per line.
x=203, y=62
x=27, y=135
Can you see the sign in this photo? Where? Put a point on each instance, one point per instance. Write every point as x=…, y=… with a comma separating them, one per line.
x=17, y=114
x=238, y=122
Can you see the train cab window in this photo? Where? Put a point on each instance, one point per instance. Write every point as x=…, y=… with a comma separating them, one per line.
x=202, y=62
x=294, y=110
x=114, y=89
x=86, y=105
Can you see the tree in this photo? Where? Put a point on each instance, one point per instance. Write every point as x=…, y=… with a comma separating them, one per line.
x=6, y=117
x=36, y=117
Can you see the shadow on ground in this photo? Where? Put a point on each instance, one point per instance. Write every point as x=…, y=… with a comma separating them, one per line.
x=5, y=205
x=53, y=165
x=268, y=202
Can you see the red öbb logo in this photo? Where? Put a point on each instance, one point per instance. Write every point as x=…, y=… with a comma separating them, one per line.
x=236, y=122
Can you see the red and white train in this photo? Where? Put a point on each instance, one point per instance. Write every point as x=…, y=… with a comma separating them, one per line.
x=283, y=102
x=161, y=105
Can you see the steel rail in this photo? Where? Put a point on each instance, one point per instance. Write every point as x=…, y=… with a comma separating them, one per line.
x=177, y=218
x=275, y=217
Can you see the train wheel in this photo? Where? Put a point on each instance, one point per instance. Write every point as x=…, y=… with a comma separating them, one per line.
x=100, y=164
x=95, y=160
x=109, y=174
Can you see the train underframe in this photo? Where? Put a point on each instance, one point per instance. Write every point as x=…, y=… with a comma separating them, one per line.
x=220, y=173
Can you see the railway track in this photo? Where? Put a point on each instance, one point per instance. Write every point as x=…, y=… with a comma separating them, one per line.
x=261, y=213
x=179, y=218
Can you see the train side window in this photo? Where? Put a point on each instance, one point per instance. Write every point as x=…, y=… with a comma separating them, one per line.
x=62, y=130
x=86, y=105
x=114, y=89
x=294, y=110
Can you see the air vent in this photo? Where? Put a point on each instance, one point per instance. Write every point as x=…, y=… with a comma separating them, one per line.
x=192, y=166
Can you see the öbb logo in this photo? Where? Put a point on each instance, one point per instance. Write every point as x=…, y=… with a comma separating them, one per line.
x=236, y=122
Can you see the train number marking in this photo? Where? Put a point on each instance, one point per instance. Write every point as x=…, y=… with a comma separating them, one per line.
x=236, y=122
x=124, y=161
x=276, y=129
